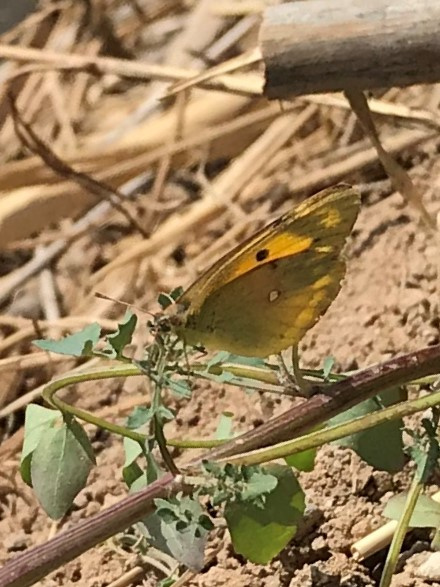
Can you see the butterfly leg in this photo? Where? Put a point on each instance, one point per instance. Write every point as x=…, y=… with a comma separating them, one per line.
x=305, y=386
x=293, y=382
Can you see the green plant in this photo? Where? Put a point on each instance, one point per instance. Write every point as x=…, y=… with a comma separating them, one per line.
x=262, y=503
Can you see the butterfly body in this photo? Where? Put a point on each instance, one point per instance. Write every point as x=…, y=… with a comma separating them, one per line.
x=264, y=295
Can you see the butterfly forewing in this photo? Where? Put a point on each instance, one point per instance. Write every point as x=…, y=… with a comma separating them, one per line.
x=265, y=294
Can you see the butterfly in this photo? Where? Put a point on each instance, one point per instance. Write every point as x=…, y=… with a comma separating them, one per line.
x=265, y=294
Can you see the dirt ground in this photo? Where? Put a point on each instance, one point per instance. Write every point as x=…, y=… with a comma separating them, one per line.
x=388, y=305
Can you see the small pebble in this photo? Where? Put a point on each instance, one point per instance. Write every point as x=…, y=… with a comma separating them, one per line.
x=430, y=569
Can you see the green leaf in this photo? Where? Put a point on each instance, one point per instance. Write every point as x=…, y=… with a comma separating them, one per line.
x=131, y=470
x=79, y=344
x=218, y=359
x=180, y=388
x=138, y=479
x=177, y=292
x=259, y=483
x=37, y=421
x=164, y=414
x=183, y=530
x=165, y=300
x=381, y=446
x=219, y=375
x=121, y=338
x=239, y=483
x=179, y=527
x=224, y=426
x=131, y=473
x=302, y=461
x=140, y=416
x=328, y=366
x=241, y=360
x=225, y=357
x=186, y=545
x=426, y=514
x=259, y=534
x=152, y=473
x=60, y=466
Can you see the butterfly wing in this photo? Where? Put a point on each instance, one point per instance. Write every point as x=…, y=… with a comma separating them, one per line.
x=265, y=294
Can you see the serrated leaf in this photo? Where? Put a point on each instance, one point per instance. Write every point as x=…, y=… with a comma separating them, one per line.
x=60, y=466
x=164, y=414
x=381, y=446
x=122, y=337
x=260, y=483
x=37, y=420
x=165, y=300
x=259, y=534
x=185, y=546
x=426, y=514
x=179, y=528
x=180, y=388
x=177, y=292
x=140, y=416
x=79, y=344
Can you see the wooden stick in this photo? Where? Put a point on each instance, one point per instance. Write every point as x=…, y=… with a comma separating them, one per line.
x=378, y=539
x=312, y=46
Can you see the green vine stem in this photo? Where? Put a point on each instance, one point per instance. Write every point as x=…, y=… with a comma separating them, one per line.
x=400, y=532
x=320, y=437
x=426, y=463
x=267, y=376
x=338, y=397
x=37, y=562
x=49, y=395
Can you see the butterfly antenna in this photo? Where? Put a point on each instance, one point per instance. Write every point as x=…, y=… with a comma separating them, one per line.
x=121, y=303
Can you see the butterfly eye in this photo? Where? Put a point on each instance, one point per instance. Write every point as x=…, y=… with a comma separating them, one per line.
x=262, y=254
x=274, y=295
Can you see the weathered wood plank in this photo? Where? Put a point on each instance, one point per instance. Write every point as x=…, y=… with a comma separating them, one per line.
x=314, y=46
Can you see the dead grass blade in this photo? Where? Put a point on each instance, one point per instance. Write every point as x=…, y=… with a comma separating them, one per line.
x=103, y=192
x=397, y=174
x=251, y=57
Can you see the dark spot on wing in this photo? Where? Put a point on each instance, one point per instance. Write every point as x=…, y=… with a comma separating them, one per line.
x=262, y=254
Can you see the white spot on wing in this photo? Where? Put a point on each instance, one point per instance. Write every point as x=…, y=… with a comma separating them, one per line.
x=274, y=295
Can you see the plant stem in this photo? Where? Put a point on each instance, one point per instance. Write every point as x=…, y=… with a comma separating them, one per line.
x=338, y=397
x=320, y=437
x=425, y=466
x=37, y=562
x=34, y=564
